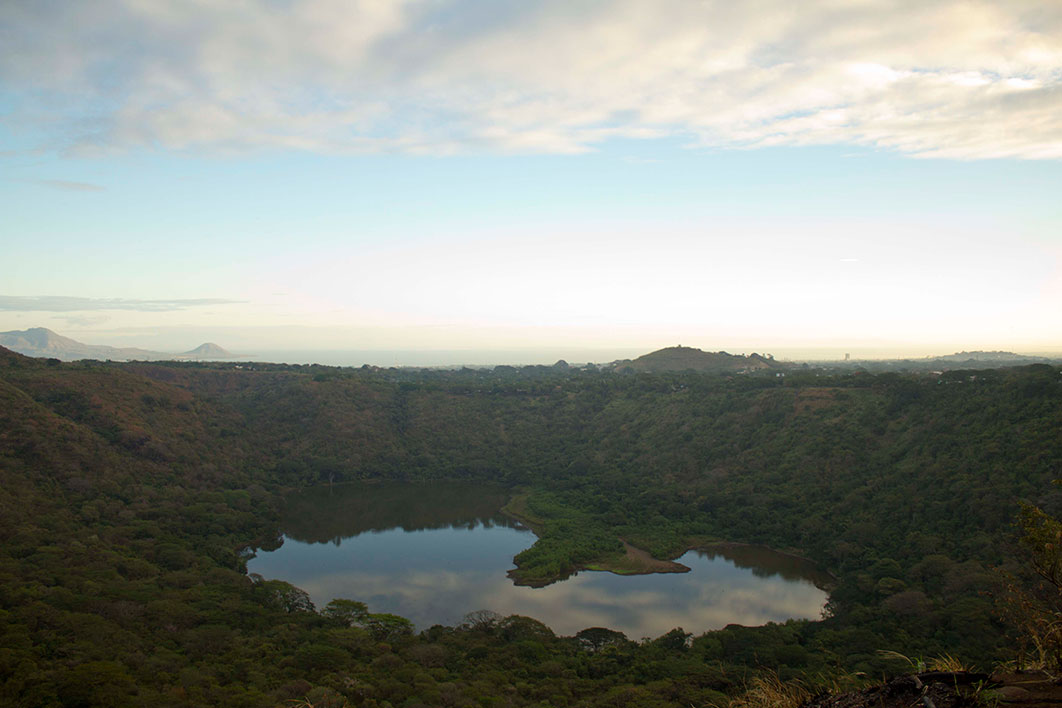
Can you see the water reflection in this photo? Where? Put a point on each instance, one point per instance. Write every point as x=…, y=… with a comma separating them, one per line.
x=766, y=563
x=332, y=513
x=455, y=562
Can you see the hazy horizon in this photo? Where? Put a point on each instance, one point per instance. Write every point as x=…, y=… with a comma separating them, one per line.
x=516, y=356
x=877, y=180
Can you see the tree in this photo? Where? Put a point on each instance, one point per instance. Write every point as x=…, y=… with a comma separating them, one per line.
x=1038, y=611
x=283, y=595
x=97, y=683
x=595, y=639
x=675, y=640
x=348, y=613
x=1042, y=536
x=481, y=620
x=387, y=626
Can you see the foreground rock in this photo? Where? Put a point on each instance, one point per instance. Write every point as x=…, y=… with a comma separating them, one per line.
x=934, y=689
x=945, y=689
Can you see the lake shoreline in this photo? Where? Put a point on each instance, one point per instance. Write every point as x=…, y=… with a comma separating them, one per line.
x=434, y=552
x=825, y=581
x=637, y=561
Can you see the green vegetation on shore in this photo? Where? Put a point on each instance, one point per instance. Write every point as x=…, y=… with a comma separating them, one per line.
x=129, y=491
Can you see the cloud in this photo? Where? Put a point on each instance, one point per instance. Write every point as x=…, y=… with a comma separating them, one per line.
x=68, y=186
x=53, y=303
x=85, y=320
x=962, y=79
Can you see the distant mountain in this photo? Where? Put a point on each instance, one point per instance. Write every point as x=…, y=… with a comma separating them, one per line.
x=989, y=356
x=689, y=358
x=209, y=350
x=42, y=342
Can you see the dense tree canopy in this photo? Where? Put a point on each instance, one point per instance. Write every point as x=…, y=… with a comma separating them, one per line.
x=130, y=492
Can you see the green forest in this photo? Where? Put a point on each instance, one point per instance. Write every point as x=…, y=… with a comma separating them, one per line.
x=132, y=492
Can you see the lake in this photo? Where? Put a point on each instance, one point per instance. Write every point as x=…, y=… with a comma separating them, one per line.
x=435, y=552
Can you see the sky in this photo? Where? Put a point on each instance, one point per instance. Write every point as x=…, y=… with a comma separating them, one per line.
x=534, y=179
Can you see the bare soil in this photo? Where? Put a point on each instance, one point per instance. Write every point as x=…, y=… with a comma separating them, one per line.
x=635, y=561
x=1028, y=689
x=945, y=689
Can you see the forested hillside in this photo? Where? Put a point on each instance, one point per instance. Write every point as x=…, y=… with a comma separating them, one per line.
x=131, y=491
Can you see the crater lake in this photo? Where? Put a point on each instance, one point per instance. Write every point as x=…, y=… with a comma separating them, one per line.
x=435, y=552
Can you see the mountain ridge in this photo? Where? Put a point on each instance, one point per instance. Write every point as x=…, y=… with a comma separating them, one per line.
x=41, y=342
x=207, y=350
x=680, y=358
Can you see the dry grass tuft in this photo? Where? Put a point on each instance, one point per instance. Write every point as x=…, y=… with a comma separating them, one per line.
x=771, y=692
x=947, y=662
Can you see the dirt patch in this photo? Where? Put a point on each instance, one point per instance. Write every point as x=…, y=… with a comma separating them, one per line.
x=935, y=689
x=635, y=561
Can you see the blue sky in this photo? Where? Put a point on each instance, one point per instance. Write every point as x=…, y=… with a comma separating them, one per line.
x=873, y=177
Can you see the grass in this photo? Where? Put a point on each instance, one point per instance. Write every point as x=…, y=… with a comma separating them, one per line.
x=517, y=508
x=944, y=662
x=771, y=692
x=947, y=662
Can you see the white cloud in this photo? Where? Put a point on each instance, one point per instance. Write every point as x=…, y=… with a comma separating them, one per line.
x=85, y=320
x=60, y=303
x=970, y=79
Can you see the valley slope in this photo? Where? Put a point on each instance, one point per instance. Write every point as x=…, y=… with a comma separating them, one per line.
x=130, y=490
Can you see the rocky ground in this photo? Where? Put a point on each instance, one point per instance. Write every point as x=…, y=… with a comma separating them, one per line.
x=941, y=689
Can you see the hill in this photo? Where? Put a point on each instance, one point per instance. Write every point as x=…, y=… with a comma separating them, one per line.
x=209, y=350
x=43, y=342
x=946, y=362
x=999, y=357
x=682, y=358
